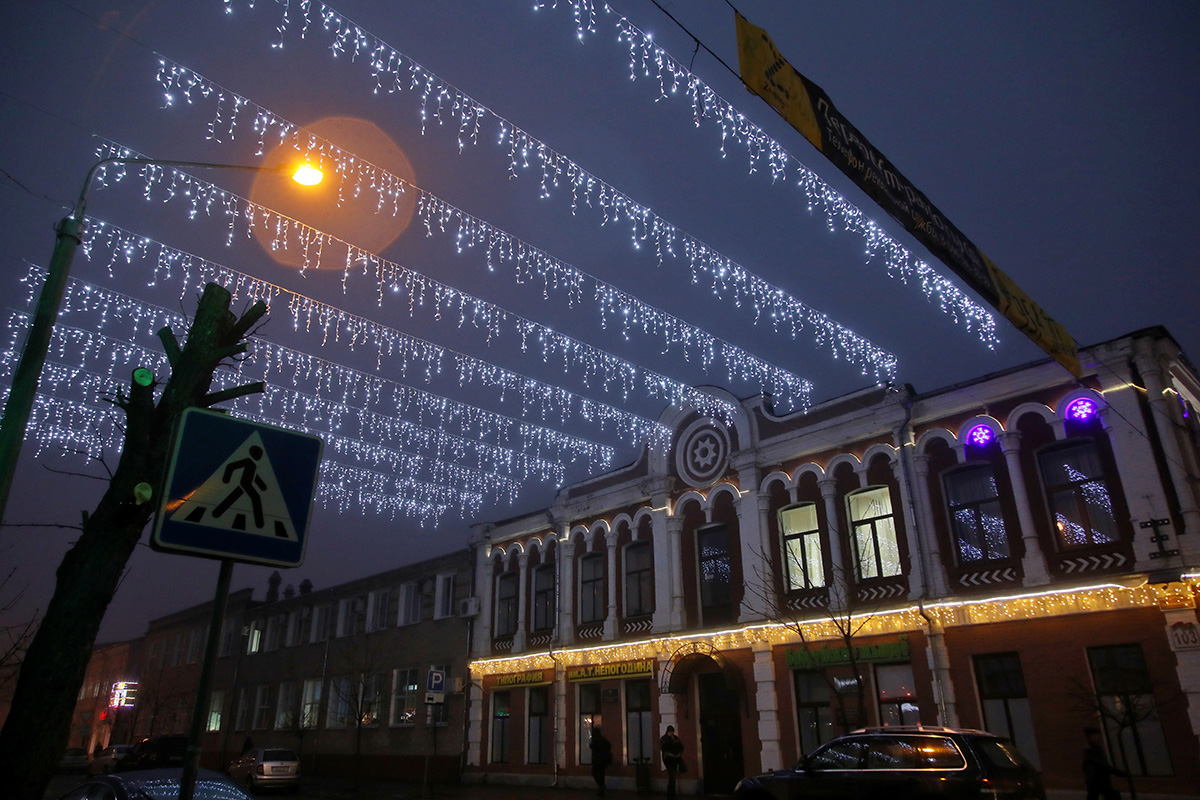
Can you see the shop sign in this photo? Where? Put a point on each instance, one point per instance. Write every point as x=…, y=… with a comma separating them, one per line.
x=123, y=694
x=624, y=669
x=535, y=677
x=828, y=656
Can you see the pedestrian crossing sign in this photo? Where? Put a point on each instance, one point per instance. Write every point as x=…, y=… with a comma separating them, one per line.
x=237, y=489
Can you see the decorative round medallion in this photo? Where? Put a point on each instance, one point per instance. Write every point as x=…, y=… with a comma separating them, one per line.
x=702, y=455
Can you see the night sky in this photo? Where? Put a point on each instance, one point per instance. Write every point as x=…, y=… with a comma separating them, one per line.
x=1060, y=138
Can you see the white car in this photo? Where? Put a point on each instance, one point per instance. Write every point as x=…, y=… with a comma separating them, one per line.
x=103, y=763
x=267, y=767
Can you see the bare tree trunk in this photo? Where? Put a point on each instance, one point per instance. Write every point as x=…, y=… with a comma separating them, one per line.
x=39, y=721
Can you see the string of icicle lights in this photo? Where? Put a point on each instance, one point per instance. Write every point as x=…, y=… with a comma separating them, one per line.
x=673, y=80
x=392, y=72
x=591, y=365
x=386, y=411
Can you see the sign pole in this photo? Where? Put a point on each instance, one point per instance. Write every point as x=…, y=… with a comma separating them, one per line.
x=191, y=764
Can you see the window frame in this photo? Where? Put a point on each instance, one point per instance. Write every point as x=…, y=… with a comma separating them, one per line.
x=871, y=527
x=975, y=508
x=507, y=590
x=593, y=594
x=639, y=580
x=714, y=595
x=544, y=597
x=806, y=538
x=1079, y=495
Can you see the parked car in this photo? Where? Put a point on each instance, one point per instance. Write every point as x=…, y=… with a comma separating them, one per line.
x=103, y=763
x=155, y=784
x=73, y=759
x=161, y=751
x=904, y=763
x=267, y=767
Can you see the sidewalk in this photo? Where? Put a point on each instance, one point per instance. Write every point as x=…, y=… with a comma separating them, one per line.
x=319, y=787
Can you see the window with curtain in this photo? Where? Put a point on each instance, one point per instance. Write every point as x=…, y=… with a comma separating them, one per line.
x=543, y=598
x=639, y=580
x=592, y=604
x=897, y=695
x=803, y=564
x=877, y=553
x=1005, y=702
x=405, y=686
x=975, y=516
x=1077, y=490
x=506, y=604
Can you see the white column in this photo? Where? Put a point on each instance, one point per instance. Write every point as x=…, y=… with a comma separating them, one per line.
x=475, y=724
x=1165, y=421
x=485, y=590
x=675, y=535
x=935, y=565
x=943, y=687
x=522, y=591
x=1033, y=564
x=663, y=561
x=1183, y=634
x=915, y=531
x=610, y=619
x=839, y=589
x=566, y=588
x=767, y=701
x=755, y=566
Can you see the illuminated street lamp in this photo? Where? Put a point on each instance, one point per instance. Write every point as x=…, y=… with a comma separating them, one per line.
x=33, y=357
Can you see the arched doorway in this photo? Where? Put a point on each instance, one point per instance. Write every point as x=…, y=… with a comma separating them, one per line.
x=719, y=693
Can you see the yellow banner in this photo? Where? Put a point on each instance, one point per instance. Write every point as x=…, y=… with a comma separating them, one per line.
x=535, y=677
x=624, y=669
x=769, y=75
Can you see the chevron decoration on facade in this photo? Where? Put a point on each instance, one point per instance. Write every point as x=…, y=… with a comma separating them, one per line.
x=594, y=632
x=880, y=592
x=1089, y=563
x=502, y=644
x=638, y=626
x=988, y=577
x=541, y=639
x=812, y=601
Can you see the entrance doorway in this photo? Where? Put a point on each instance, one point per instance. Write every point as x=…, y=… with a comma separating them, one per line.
x=720, y=733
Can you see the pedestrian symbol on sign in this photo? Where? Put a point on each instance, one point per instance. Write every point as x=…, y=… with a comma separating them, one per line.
x=242, y=495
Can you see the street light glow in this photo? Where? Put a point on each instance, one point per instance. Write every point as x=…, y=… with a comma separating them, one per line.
x=307, y=175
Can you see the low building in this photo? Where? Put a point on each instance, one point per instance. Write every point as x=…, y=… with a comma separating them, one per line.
x=1017, y=553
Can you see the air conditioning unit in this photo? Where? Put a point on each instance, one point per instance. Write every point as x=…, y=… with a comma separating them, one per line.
x=468, y=607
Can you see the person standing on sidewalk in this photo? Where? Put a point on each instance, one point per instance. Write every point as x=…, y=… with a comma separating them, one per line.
x=601, y=758
x=672, y=756
x=1097, y=772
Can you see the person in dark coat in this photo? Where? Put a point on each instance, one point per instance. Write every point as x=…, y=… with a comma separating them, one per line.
x=672, y=756
x=1097, y=772
x=601, y=758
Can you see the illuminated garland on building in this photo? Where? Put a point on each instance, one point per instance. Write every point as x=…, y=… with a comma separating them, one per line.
x=393, y=72
x=1103, y=597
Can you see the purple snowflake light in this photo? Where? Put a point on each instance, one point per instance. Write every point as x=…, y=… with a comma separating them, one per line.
x=980, y=435
x=1082, y=410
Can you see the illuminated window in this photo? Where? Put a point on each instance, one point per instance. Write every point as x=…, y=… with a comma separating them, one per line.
x=1005, y=701
x=500, y=715
x=592, y=604
x=1077, y=490
x=216, y=701
x=254, y=637
x=897, y=695
x=639, y=580
x=975, y=515
x=803, y=564
x=369, y=699
x=405, y=685
x=543, y=598
x=539, y=727
x=877, y=554
x=506, y=604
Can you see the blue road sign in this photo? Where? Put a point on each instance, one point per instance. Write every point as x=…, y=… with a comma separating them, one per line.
x=435, y=681
x=236, y=489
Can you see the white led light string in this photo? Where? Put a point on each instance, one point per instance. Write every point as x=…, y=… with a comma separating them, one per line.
x=344, y=382
x=785, y=313
x=584, y=361
x=201, y=196
x=655, y=63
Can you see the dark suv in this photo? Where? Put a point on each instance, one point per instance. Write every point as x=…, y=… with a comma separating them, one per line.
x=904, y=763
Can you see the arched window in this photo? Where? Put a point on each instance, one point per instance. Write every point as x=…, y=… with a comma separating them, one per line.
x=639, y=580
x=506, y=604
x=1077, y=490
x=876, y=551
x=592, y=605
x=976, y=519
x=803, y=564
x=544, y=604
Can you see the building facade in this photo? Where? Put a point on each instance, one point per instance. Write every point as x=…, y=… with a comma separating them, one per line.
x=1019, y=553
